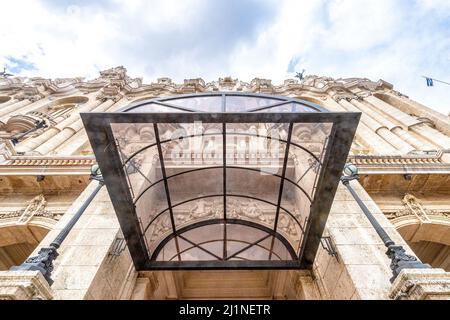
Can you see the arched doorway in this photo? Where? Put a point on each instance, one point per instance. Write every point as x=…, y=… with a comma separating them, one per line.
x=17, y=242
x=430, y=241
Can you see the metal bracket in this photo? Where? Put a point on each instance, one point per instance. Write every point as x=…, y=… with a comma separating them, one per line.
x=328, y=245
x=118, y=246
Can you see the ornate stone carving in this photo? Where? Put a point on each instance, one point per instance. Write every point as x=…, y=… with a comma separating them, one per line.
x=262, y=85
x=31, y=93
x=344, y=96
x=110, y=92
x=6, y=150
x=204, y=208
x=413, y=207
x=193, y=85
x=24, y=285
x=421, y=284
x=35, y=206
x=227, y=83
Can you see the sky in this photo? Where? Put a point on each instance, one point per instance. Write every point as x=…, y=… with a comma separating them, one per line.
x=398, y=41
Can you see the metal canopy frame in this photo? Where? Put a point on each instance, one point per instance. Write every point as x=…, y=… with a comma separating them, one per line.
x=98, y=127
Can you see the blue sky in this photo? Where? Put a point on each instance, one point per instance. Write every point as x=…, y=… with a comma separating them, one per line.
x=395, y=40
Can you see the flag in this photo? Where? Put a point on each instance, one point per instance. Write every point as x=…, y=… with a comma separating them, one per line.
x=429, y=82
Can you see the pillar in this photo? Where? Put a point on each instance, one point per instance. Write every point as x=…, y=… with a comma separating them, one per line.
x=363, y=133
x=13, y=107
x=73, y=145
x=31, y=144
x=388, y=144
x=408, y=121
x=8, y=103
x=432, y=135
x=68, y=131
x=399, y=116
x=409, y=142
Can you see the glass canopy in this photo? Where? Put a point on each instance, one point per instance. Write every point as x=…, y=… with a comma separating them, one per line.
x=222, y=180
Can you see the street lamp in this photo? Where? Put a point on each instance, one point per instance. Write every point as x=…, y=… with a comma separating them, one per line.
x=43, y=262
x=399, y=259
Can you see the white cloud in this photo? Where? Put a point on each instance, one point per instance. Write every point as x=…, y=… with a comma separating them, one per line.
x=394, y=40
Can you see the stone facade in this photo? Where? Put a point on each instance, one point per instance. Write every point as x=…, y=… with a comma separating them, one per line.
x=401, y=149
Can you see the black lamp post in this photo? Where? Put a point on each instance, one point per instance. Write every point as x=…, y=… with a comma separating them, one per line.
x=399, y=259
x=37, y=125
x=43, y=262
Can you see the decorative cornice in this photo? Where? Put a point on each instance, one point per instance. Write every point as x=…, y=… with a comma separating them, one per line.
x=24, y=285
x=396, y=160
x=421, y=284
x=50, y=161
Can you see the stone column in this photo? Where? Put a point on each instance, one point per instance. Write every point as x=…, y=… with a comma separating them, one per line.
x=432, y=135
x=421, y=284
x=72, y=145
x=408, y=121
x=388, y=138
x=363, y=133
x=24, y=285
x=68, y=131
x=8, y=103
x=399, y=143
x=401, y=117
x=408, y=105
x=31, y=144
x=13, y=107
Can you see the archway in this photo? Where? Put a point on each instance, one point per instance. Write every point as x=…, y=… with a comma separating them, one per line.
x=17, y=242
x=430, y=241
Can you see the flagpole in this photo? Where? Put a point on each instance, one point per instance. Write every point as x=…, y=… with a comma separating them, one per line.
x=437, y=80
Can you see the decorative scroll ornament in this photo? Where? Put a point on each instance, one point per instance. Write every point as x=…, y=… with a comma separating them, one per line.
x=342, y=95
x=262, y=85
x=31, y=93
x=413, y=207
x=35, y=206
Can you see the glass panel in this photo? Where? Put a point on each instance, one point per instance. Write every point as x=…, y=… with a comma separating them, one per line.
x=289, y=228
x=279, y=251
x=246, y=103
x=151, y=203
x=209, y=237
x=142, y=169
x=157, y=231
x=296, y=202
x=256, y=144
x=168, y=252
x=207, y=104
x=254, y=184
x=192, y=144
x=215, y=247
x=196, y=254
x=234, y=246
x=205, y=233
x=152, y=107
x=198, y=210
x=290, y=107
x=131, y=137
x=302, y=169
x=244, y=233
x=254, y=253
x=206, y=243
x=312, y=136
